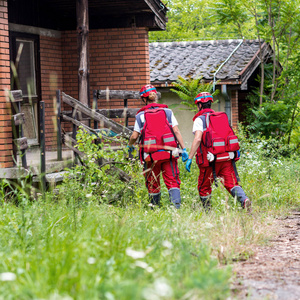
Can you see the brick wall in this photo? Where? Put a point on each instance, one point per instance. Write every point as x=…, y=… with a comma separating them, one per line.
x=51, y=80
x=119, y=59
x=234, y=108
x=6, y=147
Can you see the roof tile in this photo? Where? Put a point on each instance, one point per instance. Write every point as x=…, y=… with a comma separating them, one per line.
x=200, y=58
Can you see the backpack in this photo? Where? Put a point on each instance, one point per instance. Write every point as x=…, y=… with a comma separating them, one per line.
x=157, y=136
x=218, y=136
x=219, y=139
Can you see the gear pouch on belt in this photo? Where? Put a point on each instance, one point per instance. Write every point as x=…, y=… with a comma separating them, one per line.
x=218, y=146
x=150, y=144
x=169, y=140
x=232, y=143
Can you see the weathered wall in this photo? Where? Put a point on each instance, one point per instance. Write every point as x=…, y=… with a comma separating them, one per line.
x=184, y=116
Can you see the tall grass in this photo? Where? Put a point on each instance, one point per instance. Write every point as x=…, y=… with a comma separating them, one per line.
x=77, y=246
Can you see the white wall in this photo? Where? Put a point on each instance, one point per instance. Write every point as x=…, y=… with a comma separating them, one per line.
x=183, y=116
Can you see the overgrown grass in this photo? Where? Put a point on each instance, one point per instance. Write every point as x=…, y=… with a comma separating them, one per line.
x=77, y=246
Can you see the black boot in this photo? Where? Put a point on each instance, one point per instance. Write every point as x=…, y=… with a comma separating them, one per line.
x=155, y=199
x=206, y=202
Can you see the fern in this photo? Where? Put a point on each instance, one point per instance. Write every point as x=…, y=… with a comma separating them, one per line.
x=188, y=89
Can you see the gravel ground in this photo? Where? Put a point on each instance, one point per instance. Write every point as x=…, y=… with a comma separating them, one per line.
x=274, y=271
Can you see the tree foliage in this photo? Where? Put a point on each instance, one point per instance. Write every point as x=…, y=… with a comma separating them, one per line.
x=275, y=110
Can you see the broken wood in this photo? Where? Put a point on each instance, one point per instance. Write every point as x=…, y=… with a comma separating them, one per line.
x=69, y=142
x=103, y=121
x=21, y=143
x=16, y=96
x=19, y=119
x=120, y=94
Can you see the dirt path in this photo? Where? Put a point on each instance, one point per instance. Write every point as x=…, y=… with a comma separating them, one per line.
x=274, y=271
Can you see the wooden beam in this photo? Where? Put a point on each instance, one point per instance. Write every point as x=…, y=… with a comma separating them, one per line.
x=118, y=112
x=103, y=121
x=83, y=50
x=120, y=94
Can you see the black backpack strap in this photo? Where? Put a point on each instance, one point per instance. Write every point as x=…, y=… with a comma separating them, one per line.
x=213, y=165
x=172, y=168
x=235, y=170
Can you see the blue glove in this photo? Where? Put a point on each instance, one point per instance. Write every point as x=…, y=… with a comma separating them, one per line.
x=238, y=154
x=188, y=165
x=185, y=155
x=130, y=149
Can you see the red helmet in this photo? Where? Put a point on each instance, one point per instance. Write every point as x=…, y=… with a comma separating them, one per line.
x=146, y=90
x=203, y=98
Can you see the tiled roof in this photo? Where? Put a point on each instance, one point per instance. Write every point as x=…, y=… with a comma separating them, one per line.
x=201, y=58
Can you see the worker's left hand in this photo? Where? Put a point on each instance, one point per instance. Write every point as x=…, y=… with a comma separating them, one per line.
x=185, y=155
x=130, y=149
x=188, y=165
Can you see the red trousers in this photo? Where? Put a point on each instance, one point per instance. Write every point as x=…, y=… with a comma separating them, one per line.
x=224, y=170
x=170, y=173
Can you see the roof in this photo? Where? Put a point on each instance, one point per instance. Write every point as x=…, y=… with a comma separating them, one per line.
x=61, y=14
x=204, y=58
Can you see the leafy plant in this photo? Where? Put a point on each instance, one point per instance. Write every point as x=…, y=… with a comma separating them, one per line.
x=188, y=89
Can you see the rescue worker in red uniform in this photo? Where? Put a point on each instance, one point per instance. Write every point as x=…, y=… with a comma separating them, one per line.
x=224, y=169
x=161, y=161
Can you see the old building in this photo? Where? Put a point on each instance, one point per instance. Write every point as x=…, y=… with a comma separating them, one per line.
x=233, y=65
x=41, y=39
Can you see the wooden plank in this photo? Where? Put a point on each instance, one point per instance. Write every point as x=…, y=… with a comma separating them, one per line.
x=21, y=143
x=16, y=96
x=118, y=112
x=109, y=113
x=120, y=94
x=103, y=121
x=18, y=119
x=78, y=123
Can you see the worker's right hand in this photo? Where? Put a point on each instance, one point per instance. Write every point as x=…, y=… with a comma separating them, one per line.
x=188, y=165
x=185, y=155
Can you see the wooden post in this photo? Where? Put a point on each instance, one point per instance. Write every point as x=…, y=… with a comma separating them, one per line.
x=83, y=50
x=42, y=146
x=74, y=132
x=95, y=107
x=58, y=125
x=125, y=110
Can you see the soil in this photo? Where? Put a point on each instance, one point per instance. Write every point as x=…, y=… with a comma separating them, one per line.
x=274, y=271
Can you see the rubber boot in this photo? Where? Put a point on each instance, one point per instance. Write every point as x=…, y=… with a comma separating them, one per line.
x=206, y=202
x=155, y=199
x=175, y=197
x=239, y=193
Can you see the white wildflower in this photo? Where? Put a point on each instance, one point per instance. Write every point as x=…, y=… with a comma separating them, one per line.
x=209, y=225
x=7, y=276
x=162, y=288
x=167, y=244
x=135, y=254
x=88, y=195
x=91, y=260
